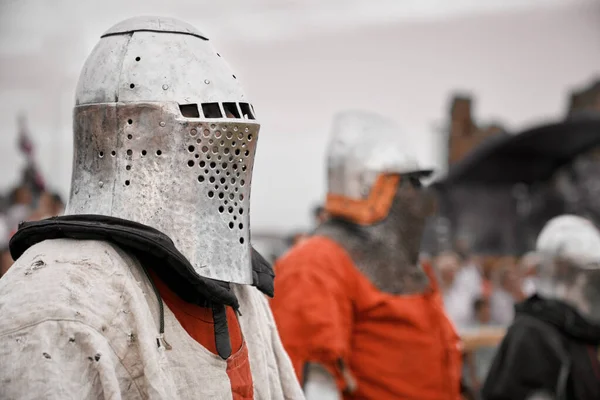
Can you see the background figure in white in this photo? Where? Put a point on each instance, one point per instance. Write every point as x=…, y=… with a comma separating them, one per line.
x=457, y=288
x=528, y=268
x=507, y=291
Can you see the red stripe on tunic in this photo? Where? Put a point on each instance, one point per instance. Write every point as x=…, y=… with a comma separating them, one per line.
x=198, y=323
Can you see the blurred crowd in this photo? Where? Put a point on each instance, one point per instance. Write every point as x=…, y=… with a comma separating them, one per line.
x=481, y=293
x=25, y=202
x=478, y=293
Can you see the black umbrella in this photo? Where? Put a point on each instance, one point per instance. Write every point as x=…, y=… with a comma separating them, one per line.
x=528, y=157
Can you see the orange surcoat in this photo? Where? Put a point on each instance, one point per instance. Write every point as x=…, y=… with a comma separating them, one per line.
x=391, y=346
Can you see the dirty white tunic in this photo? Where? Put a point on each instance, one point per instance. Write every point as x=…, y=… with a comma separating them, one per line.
x=79, y=320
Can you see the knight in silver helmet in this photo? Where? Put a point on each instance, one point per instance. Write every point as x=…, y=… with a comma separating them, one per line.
x=355, y=307
x=552, y=345
x=165, y=136
x=148, y=287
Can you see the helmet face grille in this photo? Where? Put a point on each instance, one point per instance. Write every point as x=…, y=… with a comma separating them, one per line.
x=189, y=178
x=222, y=155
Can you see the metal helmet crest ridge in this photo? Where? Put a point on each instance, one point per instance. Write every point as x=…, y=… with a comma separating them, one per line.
x=366, y=157
x=164, y=136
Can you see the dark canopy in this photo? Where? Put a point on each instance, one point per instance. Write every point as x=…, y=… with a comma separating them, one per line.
x=528, y=157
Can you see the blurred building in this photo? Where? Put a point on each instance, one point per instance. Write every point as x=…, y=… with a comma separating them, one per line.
x=464, y=134
x=586, y=99
x=504, y=220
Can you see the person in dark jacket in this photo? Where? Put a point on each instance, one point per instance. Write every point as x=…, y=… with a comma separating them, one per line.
x=551, y=350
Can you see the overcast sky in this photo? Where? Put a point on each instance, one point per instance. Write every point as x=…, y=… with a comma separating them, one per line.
x=301, y=61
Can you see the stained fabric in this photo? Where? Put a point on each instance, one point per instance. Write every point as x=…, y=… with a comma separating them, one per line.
x=391, y=346
x=174, y=269
x=199, y=324
x=550, y=348
x=81, y=321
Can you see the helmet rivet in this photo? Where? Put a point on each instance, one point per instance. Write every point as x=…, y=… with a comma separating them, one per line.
x=101, y=184
x=165, y=87
x=162, y=123
x=206, y=81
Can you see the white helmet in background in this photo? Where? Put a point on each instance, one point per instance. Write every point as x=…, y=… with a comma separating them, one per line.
x=570, y=248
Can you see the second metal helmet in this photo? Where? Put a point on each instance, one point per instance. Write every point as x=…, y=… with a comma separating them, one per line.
x=367, y=157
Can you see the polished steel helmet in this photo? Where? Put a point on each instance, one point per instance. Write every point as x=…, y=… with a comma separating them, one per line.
x=165, y=136
x=368, y=156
